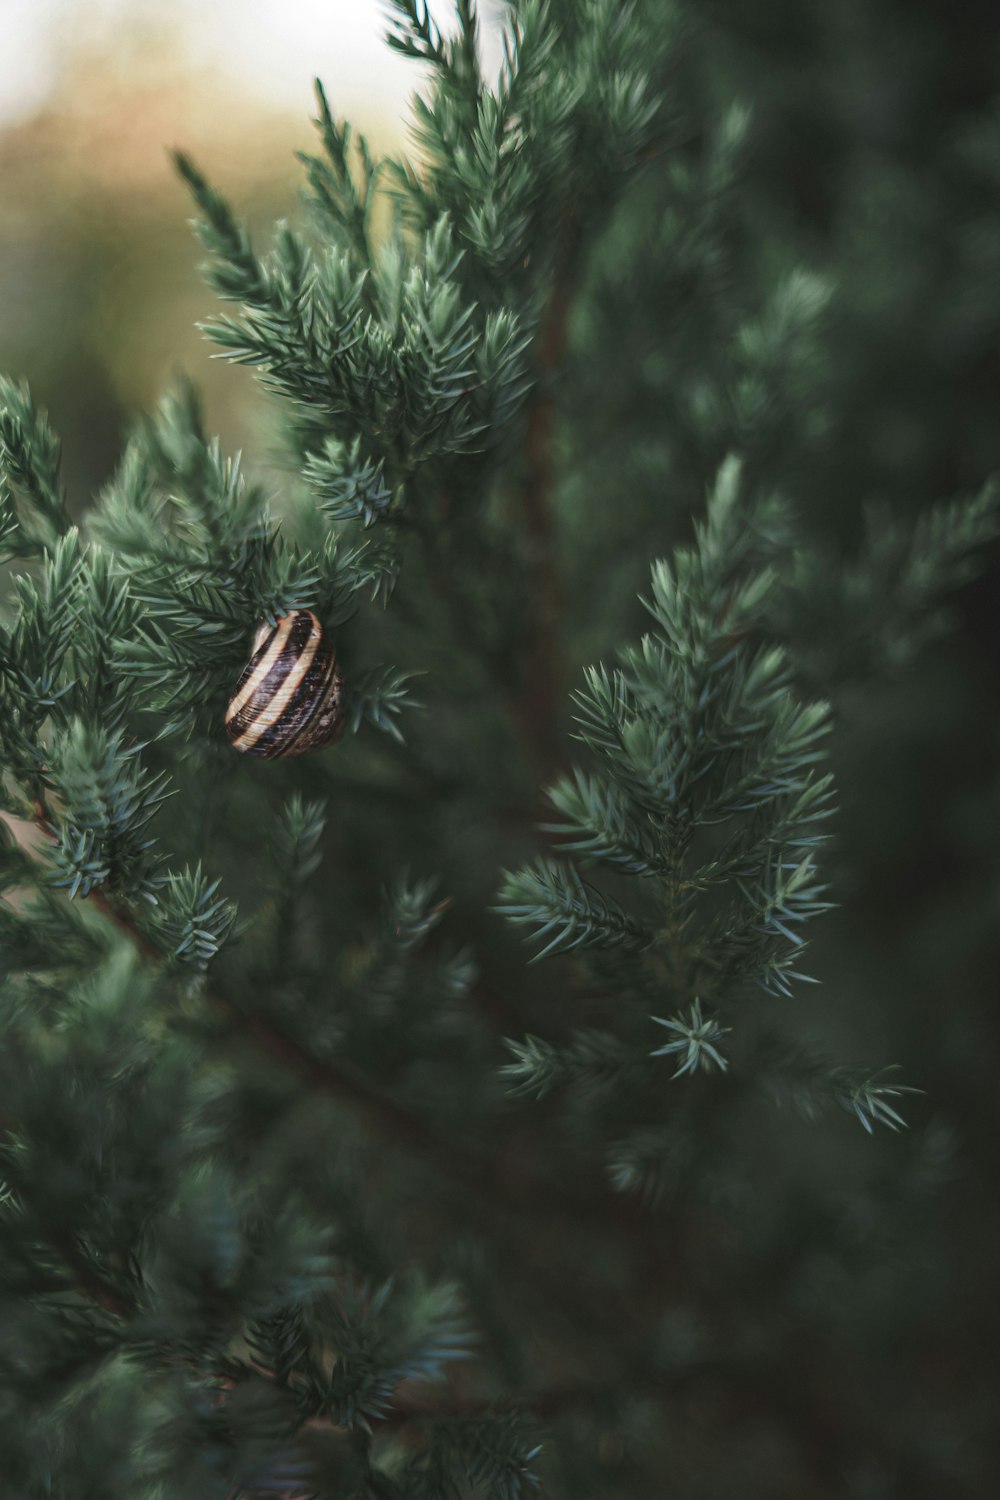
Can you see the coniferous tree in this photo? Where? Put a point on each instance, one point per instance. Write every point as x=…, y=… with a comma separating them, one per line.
x=314, y=1183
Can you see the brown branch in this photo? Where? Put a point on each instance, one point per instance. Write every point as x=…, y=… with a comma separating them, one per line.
x=492, y=1187
x=100, y=899
x=338, y=1079
x=334, y=1078
x=489, y=1195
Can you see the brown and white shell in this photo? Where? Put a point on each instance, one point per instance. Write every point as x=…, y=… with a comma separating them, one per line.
x=290, y=697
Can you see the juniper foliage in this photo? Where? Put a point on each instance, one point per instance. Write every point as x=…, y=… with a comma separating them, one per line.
x=314, y=1183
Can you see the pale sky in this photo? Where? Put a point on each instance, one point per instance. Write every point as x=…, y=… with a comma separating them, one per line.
x=272, y=47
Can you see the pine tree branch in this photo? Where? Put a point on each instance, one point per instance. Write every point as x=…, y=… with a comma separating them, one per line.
x=86, y=1280
x=585, y=1309
x=486, y=1177
x=339, y=1080
x=488, y=1194
x=324, y=1076
x=603, y=1320
x=611, y=1323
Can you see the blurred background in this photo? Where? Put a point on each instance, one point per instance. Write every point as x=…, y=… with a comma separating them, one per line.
x=99, y=288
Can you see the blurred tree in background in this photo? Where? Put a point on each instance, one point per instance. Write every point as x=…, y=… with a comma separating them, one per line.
x=313, y=1183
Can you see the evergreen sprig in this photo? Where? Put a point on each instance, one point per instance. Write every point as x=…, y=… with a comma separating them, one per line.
x=695, y=1039
x=494, y=1452
x=709, y=798
x=192, y=920
x=29, y=474
x=107, y=801
x=344, y=181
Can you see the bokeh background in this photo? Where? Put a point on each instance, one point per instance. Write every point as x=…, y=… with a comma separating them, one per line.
x=875, y=158
x=99, y=289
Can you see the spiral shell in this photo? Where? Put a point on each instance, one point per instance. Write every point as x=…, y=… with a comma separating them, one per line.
x=290, y=697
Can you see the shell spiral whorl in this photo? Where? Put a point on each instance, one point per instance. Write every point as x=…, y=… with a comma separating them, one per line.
x=290, y=696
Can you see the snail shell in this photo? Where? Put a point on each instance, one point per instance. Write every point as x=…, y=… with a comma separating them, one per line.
x=290, y=697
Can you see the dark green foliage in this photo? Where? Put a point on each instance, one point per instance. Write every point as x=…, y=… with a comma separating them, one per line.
x=709, y=795
x=886, y=603
x=29, y=453
x=319, y=1180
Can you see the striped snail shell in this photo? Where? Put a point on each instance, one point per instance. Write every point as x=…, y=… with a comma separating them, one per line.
x=290, y=697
